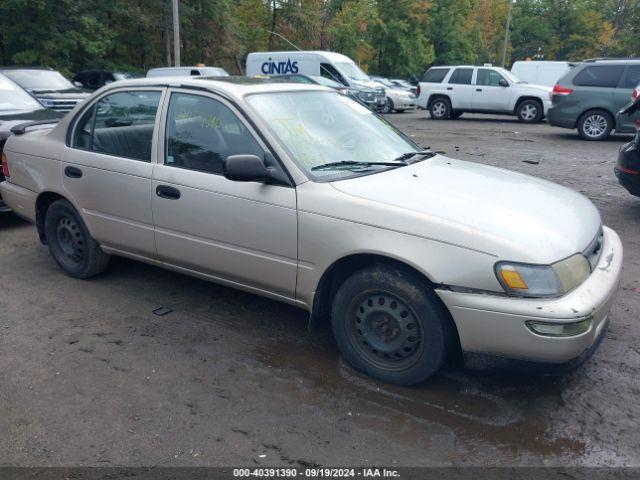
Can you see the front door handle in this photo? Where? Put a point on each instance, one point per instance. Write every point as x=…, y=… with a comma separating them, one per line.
x=449, y=88
x=478, y=89
x=73, y=172
x=165, y=191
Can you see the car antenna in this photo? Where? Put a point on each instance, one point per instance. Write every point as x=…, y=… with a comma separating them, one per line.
x=285, y=39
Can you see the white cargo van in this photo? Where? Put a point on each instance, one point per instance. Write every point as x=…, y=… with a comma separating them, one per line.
x=540, y=72
x=331, y=65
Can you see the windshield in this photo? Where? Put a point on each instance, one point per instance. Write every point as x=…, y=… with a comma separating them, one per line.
x=15, y=99
x=352, y=71
x=318, y=128
x=510, y=76
x=327, y=82
x=39, y=79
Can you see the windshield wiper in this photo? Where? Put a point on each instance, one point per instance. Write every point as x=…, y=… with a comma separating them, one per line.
x=349, y=164
x=406, y=156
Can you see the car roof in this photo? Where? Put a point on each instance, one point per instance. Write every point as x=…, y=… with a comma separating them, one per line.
x=333, y=56
x=26, y=68
x=613, y=61
x=235, y=86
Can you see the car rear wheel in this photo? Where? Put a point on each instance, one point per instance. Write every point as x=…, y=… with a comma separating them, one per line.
x=70, y=243
x=595, y=125
x=390, y=325
x=440, y=109
x=529, y=111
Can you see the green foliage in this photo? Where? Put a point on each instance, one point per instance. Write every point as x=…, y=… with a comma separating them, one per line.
x=390, y=37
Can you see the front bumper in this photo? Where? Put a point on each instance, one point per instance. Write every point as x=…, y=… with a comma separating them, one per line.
x=494, y=325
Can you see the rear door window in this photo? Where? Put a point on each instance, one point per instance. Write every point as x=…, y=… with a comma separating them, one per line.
x=119, y=124
x=461, y=76
x=606, y=76
x=631, y=77
x=435, y=75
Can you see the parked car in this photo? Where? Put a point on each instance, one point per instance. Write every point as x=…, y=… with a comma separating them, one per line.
x=367, y=96
x=397, y=99
x=448, y=92
x=300, y=194
x=94, y=79
x=541, y=72
x=50, y=88
x=17, y=107
x=197, y=71
x=627, y=168
x=404, y=85
x=334, y=66
x=591, y=95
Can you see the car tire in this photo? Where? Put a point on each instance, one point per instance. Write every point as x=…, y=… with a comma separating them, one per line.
x=595, y=125
x=530, y=111
x=456, y=114
x=388, y=107
x=399, y=110
x=440, y=109
x=389, y=324
x=70, y=243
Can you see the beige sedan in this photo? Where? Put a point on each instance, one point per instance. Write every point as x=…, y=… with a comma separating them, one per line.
x=300, y=194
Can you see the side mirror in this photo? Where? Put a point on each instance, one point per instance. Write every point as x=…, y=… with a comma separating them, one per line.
x=503, y=83
x=245, y=168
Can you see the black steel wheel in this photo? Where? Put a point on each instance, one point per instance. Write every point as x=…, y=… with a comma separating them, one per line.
x=389, y=324
x=70, y=243
x=385, y=330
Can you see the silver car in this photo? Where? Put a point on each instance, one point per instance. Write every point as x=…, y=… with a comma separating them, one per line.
x=303, y=195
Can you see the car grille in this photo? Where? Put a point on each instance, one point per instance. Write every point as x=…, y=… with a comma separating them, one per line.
x=594, y=250
x=367, y=96
x=60, y=105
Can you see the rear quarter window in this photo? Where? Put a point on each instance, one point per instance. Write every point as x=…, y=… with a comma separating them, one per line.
x=435, y=75
x=599, y=76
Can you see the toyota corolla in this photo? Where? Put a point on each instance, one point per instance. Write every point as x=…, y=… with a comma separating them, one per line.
x=300, y=194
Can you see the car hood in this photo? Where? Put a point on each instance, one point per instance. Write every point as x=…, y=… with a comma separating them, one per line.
x=510, y=215
x=530, y=87
x=67, y=93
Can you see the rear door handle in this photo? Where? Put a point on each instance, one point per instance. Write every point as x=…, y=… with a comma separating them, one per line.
x=73, y=172
x=478, y=89
x=449, y=88
x=165, y=191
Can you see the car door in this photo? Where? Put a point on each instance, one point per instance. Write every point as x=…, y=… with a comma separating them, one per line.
x=244, y=233
x=489, y=93
x=106, y=171
x=460, y=88
x=630, y=79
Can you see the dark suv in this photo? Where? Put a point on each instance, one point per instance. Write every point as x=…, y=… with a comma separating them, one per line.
x=94, y=79
x=590, y=96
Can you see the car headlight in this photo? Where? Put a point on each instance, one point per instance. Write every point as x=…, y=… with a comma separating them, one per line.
x=554, y=280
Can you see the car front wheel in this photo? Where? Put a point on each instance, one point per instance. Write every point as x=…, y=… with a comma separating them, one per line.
x=440, y=109
x=595, y=125
x=390, y=325
x=71, y=244
x=529, y=111
x=388, y=107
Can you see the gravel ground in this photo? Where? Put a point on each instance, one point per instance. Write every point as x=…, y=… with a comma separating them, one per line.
x=90, y=376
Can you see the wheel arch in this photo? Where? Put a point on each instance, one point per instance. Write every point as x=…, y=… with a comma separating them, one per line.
x=434, y=96
x=523, y=98
x=43, y=202
x=345, y=266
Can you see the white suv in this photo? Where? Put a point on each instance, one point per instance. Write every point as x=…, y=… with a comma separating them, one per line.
x=448, y=92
